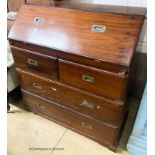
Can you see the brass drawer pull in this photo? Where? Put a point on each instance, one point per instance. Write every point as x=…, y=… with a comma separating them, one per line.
x=98, y=28
x=88, y=78
x=39, y=20
x=86, y=125
x=54, y=89
x=41, y=106
x=37, y=86
x=85, y=103
x=32, y=62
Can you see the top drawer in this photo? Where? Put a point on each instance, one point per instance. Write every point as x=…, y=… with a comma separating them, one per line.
x=38, y=64
x=108, y=84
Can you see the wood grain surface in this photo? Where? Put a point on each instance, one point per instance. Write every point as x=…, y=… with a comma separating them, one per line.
x=102, y=133
x=105, y=83
x=72, y=33
x=101, y=109
x=74, y=75
x=42, y=65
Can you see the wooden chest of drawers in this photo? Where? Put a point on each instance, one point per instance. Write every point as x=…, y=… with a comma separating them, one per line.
x=73, y=67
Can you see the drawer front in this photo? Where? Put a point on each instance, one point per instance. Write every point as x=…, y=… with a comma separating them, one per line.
x=46, y=108
x=100, y=132
x=79, y=101
x=36, y=63
x=93, y=80
x=70, y=57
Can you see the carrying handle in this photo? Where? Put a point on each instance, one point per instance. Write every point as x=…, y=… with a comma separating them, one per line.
x=32, y=62
x=98, y=28
x=87, y=104
x=86, y=125
x=36, y=85
x=88, y=78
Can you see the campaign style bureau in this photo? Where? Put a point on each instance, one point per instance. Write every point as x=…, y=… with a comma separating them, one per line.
x=73, y=67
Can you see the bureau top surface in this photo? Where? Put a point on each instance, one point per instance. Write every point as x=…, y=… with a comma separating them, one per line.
x=76, y=32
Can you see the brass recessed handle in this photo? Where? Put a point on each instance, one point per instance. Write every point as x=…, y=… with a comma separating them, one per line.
x=41, y=106
x=98, y=28
x=86, y=125
x=52, y=88
x=88, y=78
x=37, y=86
x=87, y=104
x=39, y=20
x=32, y=62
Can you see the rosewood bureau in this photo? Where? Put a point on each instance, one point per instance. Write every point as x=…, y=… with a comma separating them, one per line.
x=73, y=67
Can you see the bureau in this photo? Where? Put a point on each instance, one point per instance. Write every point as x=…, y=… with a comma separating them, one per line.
x=74, y=66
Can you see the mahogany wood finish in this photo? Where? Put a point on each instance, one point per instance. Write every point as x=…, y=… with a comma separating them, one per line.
x=42, y=65
x=73, y=66
x=71, y=57
x=103, y=133
x=74, y=32
x=98, y=107
x=43, y=106
x=104, y=82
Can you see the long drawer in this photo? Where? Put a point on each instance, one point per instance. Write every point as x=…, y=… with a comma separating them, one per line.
x=36, y=63
x=102, y=133
x=87, y=104
x=108, y=84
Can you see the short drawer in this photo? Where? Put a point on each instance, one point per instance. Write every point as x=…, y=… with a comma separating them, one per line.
x=110, y=85
x=36, y=63
x=103, y=133
x=82, y=102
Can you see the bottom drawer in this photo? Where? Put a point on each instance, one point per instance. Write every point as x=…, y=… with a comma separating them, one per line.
x=105, y=134
x=46, y=108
